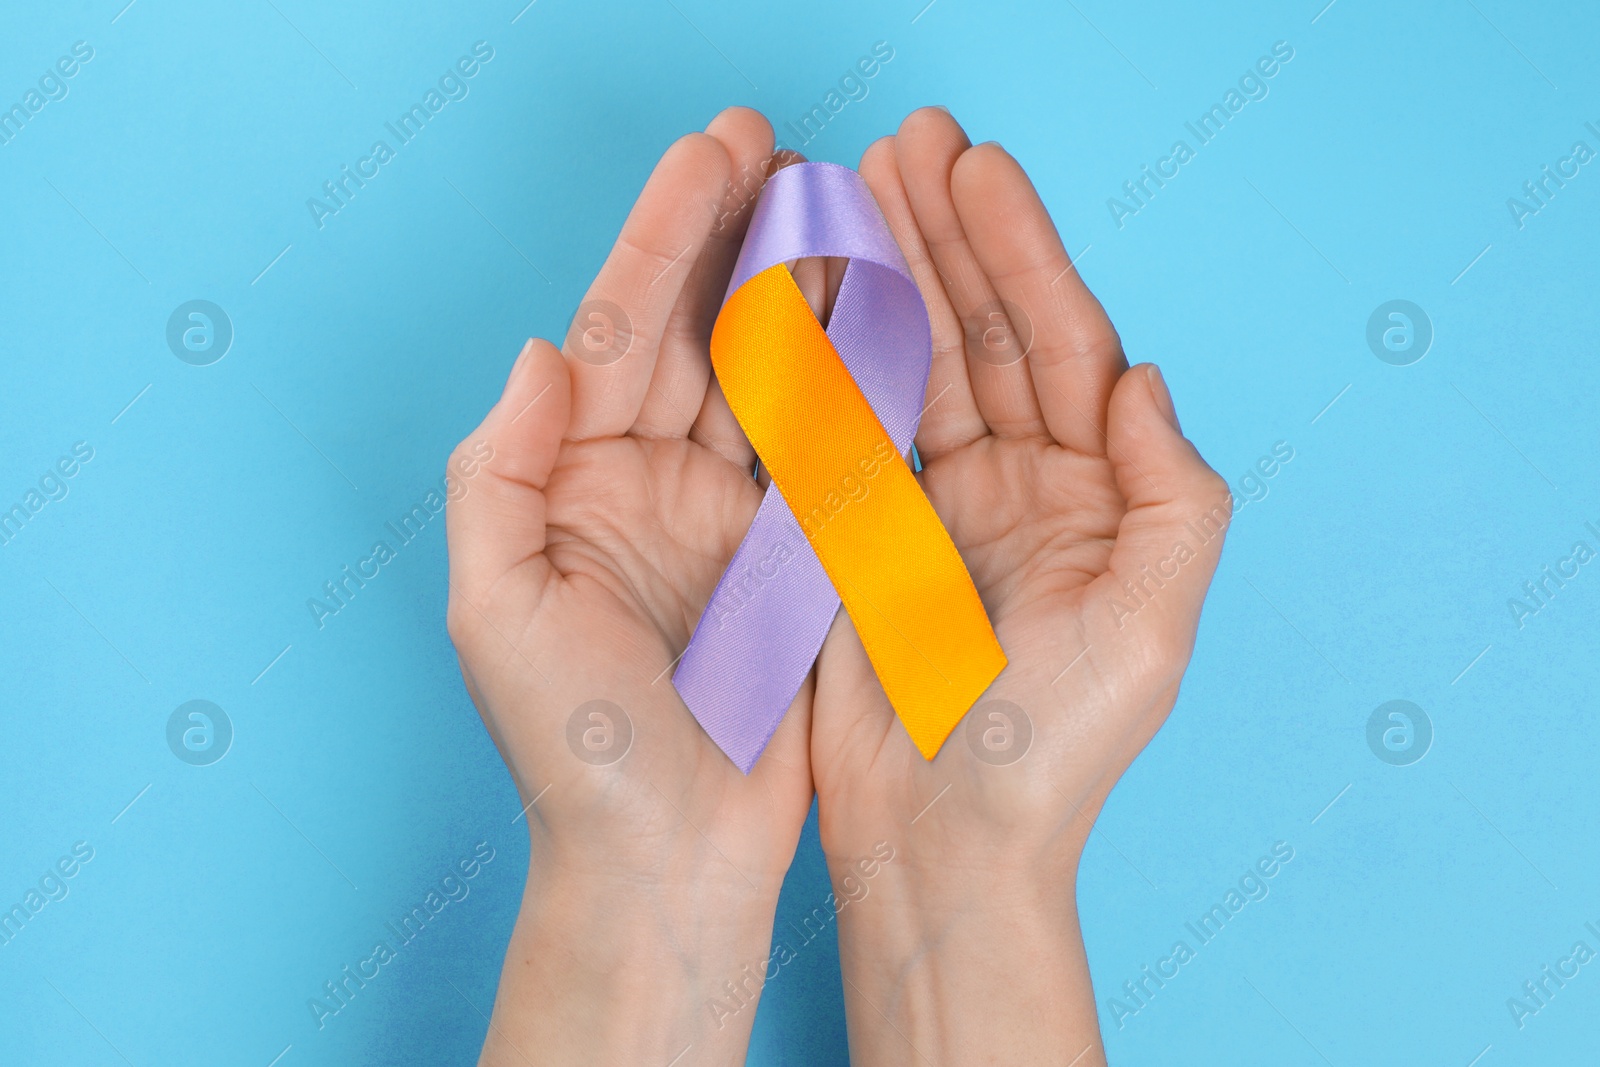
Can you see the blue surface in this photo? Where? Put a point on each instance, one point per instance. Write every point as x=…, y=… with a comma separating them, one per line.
x=219, y=498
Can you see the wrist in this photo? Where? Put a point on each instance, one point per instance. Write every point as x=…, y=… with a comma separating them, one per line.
x=924, y=954
x=612, y=968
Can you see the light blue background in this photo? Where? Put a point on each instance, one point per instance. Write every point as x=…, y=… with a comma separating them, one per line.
x=1378, y=567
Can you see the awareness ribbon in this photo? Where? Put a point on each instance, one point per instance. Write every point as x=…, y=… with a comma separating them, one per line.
x=831, y=414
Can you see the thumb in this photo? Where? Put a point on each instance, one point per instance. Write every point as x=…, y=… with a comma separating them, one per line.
x=497, y=475
x=1170, y=537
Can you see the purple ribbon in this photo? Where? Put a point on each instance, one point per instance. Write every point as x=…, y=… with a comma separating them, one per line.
x=770, y=612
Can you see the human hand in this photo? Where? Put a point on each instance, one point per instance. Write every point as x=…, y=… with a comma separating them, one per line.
x=1063, y=478
x=592, y=513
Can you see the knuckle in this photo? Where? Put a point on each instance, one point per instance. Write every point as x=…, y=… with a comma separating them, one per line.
x=459, y=455
x=1214, y=487
x=1205, y=492
x=461, y=622
x=1169, y=648
x=947, y=349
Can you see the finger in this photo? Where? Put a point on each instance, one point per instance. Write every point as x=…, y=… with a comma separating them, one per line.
x=817, y=279
x=613, y=340
x=833, y=280
x=1073, y=352
x=951, y=419
x=927, y=147
x=495, y=513
x=718, y=430
x=683, y=365
x=1170, y=538
x=811, y=278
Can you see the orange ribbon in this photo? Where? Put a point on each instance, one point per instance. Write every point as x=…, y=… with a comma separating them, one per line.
x=859, y=505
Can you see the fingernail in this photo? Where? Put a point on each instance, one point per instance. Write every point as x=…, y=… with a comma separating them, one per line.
x=941, y=107
x=1163, y=397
